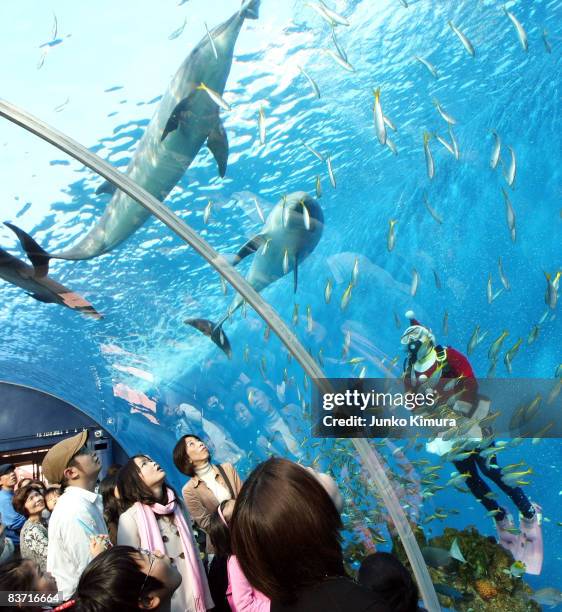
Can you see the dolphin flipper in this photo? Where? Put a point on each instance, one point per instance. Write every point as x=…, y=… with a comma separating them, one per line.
x=173, y=122
x=213, y=331
x=37, y=255
x=249, y=248
x=106, y=187
x=217, y=142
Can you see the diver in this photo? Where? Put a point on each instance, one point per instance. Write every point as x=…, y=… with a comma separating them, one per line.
x=431, y=365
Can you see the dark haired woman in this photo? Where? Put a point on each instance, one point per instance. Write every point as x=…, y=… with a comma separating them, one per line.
x=25, y=575
x=286, y=537
x=384, y=574
x=111, y=506
x=209, y=484
x=156, y=520
x=34, y=539
x=125, y=579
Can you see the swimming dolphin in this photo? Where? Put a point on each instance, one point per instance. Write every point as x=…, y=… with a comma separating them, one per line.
x=34, y=280
x=186, y=117
x=291, y=232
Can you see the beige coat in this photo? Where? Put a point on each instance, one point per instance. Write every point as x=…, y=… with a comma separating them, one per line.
x=201, y=501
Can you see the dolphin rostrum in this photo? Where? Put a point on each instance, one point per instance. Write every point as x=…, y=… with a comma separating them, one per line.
x=186, y=117
x=35, y=282
x=291, y=232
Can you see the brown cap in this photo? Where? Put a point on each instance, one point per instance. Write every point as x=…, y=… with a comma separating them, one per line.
x=58, y=457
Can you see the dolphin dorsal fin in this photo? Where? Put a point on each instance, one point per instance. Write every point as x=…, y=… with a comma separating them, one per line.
x=249, y=248
x=106, y=187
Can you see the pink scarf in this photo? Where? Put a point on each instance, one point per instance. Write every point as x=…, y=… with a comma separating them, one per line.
x=151, y=539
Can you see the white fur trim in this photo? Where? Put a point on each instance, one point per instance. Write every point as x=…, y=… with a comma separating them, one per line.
x=410, y=314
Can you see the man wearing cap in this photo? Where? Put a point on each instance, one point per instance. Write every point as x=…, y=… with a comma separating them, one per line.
x=78, y=515
x=8, y=516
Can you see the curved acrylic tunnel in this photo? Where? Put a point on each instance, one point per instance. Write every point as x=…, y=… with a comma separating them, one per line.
x=371, y=462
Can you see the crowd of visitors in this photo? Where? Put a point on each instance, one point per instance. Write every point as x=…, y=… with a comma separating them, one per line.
x=131, y=542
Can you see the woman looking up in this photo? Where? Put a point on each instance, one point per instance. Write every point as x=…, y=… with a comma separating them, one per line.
x=155, y=519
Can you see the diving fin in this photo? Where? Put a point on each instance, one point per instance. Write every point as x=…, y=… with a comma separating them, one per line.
x=249, y=248
x=217, y=142
x=507, y=538
x=37, y=255
x=531, y=551
x=213, y=331
x=176, y=116
x=106, y=187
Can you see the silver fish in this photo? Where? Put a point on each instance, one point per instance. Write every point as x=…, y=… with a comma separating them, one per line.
x=437, y=281
x=328, y=291
x=355, y=271
x=318, y=187
x=547, y=46
x=551, y=294
x=330, y=16
x=314, y=152
x=379, y=118
x=464, y=40
x=495, y=151
x=510, y=214
x=207, y=212
x=311, y=81
x=415, y=282
x=390, y=144
x=261, y=125
x=495, y=347
x=431, y=211
x=331, y=171
x=489, y=291
x=337, y=45
x=473, y=342
x=215, y=96
x=520, y=30
x=339, y=60
x=391, y=237
x=533, y=334
x=448, y=146
x=444, y=115
x=503, y=278
x=428, y=157
x=389, y=123
x=453, y=141
x=428, y=65
x=213, y=47
x=510, y=176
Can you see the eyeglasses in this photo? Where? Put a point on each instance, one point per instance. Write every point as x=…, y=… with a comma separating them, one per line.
x=151, y=557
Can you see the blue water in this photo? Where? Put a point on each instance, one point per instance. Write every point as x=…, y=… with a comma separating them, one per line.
x=101, y=84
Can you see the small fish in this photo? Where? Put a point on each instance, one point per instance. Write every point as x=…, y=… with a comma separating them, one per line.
x=551, y=294
x=510, y=214
x=328, y=291
x=390, y=144
x=346, y=344
x=305, y=216
x=517, y=569
x=432, y=211
x=453, y=141
x=446, y=323
x=246, y=355
x=309, y=321
x=391, y=237
x=428, y=65
x=473, y=342
x=510, y=354
x=503, y=278
x=337, y=45
x=443, y=114
x=207, y=212
x=295, y=317
x=448, y=146
x=389, y=123
x=331, y=171
x=212, y=42
x=533, y=334
x=510, y=176
x=489, y=290
x=464, y=40
x=328, y=14
x=436, y=279
x=415, y=282
x=356, y=360
x=496, y=151
x=266, y=333
x=496, y=346
x=339, y=60
x=310, y=80
x=522, y=35
x=428, y=157
x=379, y=118
x=261, y=125
x=215, y=97
x=346, y=296
x=58, y=108
x=318, y=187
x=224, y=285
x=355, y=271
x=363, y=372
x=259, y=210
x=547, y=46
x=319, y=156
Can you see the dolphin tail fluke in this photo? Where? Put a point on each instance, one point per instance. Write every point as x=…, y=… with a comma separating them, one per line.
x=250, y=9
x=214, y=332
x=37, y=255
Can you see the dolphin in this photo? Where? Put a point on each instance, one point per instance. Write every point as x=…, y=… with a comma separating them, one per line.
x=291, y=232
x=186, y=117
x=34, y=280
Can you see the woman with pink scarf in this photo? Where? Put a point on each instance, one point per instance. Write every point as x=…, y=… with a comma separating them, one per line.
x=156, y=520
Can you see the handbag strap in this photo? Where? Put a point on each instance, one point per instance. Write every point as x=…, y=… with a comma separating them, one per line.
x=225, y=478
